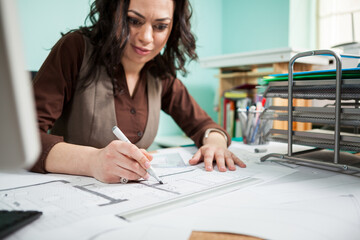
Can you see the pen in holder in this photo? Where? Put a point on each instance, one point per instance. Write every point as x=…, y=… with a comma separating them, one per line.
x=254, y=127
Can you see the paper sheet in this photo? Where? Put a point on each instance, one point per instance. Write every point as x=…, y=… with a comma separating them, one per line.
x=67, y=201
x=290, y=202
x=322, y=206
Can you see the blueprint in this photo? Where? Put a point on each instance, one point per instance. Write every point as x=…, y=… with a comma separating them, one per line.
x=265, y=199
x=66, y=199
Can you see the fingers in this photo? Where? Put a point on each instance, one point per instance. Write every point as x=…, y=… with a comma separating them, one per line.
x=220, y=161
x=148, y=155
x=126, y=159
x=132, y=152
x=131, y=166
x=196, y=158
x=120, y=159
x=208, y=159
x=117, y=173
x=229, y=161
x=223, y=158
x=125, y=173
x=238, y=161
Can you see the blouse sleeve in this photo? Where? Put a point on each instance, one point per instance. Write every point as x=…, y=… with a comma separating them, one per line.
x=181, y=106
x=53, y=87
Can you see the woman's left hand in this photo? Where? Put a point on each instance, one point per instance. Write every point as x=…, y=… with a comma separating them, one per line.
x=215, y=149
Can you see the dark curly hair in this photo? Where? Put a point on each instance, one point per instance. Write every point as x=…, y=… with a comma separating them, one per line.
x=109, y=33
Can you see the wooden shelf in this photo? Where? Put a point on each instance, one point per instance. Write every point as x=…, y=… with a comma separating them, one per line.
x=261, y=58
x=249, y=67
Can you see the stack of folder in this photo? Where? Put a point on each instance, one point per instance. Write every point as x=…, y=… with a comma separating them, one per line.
x=318, y=85
x=315, y=85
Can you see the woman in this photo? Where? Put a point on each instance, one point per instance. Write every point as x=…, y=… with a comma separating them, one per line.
x=121, y=71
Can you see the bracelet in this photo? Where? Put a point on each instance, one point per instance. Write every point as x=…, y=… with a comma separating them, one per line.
x=209, y=130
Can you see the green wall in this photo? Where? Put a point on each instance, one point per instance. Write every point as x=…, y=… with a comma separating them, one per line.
x=302, y=27
x=255, y=25
x=201, y=83
x=41, y=24
x=221, y=27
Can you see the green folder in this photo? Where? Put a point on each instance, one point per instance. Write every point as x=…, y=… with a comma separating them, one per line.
x=348, y=73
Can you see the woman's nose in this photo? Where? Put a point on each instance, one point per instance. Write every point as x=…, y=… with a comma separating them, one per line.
x=146, y=34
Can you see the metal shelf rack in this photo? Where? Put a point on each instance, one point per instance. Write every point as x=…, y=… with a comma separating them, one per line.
x=337, y=138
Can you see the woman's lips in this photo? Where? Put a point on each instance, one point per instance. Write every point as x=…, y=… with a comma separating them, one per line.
x=141, y=51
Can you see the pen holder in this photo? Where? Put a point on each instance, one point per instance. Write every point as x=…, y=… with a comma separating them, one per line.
x=254, y=127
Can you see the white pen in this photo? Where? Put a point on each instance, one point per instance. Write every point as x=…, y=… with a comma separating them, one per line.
x=120, y=135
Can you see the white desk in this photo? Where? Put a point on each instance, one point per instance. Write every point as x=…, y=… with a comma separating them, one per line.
x=291, y=202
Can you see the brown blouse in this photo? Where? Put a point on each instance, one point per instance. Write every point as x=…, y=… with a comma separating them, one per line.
x=55, y=83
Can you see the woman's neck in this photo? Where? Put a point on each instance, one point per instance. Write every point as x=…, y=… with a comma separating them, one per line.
x=132, y=73
x=131, y=68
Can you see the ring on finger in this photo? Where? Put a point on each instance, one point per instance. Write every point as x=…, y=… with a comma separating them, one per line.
x=123, y=180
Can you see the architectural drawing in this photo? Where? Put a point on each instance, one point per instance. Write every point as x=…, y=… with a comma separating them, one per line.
x=72, y=199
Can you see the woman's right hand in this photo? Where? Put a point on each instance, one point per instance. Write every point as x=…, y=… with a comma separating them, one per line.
x=121, y=160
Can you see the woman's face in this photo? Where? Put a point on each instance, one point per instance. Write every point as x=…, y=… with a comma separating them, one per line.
x=150, y=24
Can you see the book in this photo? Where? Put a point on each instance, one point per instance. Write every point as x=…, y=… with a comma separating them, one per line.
x=235, y=94
x=232, y=99
x=240, y=91
x=224, y=115
x=230, y=111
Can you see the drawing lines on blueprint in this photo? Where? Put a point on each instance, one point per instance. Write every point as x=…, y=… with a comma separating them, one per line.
x=111, y=200
x=157, y=186
x=60, y=203
x=32, y=185
x=192, y=186
x=175, y=173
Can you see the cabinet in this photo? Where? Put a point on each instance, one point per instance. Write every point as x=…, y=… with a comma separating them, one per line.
x=248, y=67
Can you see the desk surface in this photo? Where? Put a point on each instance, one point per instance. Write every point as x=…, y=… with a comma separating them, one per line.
x=290, y=202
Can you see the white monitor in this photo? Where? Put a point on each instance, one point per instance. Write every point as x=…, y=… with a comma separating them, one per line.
x=19, y=135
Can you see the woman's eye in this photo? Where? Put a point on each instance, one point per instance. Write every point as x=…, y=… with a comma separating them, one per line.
x=161, y=27
x=134, y=21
